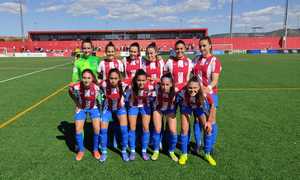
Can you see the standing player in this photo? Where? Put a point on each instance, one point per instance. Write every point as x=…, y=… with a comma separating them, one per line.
x=153, y=65
x=132, y=63
x=110, y=62
x=164, y=105
x=192, y=101
x=85, y=94
x=86, y=61
x=208, y=69
x=179, y=66
x=114, y=104
x=138, y=98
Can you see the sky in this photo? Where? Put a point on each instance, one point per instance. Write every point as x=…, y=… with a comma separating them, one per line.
x=146, y=14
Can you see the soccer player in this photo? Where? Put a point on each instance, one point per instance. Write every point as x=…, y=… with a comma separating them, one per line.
x=86, y=61
x=132, y=63
x=179, y=66
x=138, y=98
x=164, y=105
x=85, y=94
x=153, y=65
x=192, y=101
x=110, y=62
x=114, y=103
x=208, y=69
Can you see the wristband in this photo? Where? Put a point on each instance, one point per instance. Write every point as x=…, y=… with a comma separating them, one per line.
x=209, y=87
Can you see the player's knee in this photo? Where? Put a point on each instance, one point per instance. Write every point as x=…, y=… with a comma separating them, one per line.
x=145, y=128
x=184, y=130
x=78, y=129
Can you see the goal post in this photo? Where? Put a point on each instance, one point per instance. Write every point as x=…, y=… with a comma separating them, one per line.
x=3, y=51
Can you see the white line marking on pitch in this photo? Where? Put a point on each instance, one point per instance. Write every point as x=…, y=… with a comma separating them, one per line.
x=34, y=72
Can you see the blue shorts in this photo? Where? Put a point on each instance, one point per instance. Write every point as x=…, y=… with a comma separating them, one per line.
x=215, y=98
x=134, y=111
x=107, y=114
x=93, y=113
x=187, y=110
x=168, y=111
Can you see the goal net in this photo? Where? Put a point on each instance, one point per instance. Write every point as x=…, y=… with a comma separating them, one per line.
x=3, y=51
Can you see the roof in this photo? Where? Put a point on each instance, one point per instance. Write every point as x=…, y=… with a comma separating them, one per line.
x=115, y=31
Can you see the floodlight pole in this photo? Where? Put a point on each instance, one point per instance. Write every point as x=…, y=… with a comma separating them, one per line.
x=231, y=18
x=285, y=24
x=21, y=20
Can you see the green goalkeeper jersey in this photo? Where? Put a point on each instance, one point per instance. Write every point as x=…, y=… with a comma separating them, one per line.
x=90, y=62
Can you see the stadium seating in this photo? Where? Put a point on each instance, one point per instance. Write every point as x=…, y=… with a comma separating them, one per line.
x=235, y=43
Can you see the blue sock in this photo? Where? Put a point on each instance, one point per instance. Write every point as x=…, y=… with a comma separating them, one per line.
x=79, y=141
x=103, y=142
x=189, y=136
x=208, y=143
x=145, y=140
x=172, y=142
x=95, y=142
x=214, y=132
x=124, y=134
x=156, y=141
x=184, y=143
x=131, y=137
x=197, y=133
x=115, y=135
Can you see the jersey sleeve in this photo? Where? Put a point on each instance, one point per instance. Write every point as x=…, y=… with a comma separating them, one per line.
x=124, y=87
x=217, y=66
x=97, y=60
x=75, y=74
x=195, y=66
x=71, y=89
x=191, y=65
x=121, y=66
x=167, y=66
x=127, y=95
x=162, y=65
x=99, y=69
x=209, y=99
x=179, y=97
x=124, y=62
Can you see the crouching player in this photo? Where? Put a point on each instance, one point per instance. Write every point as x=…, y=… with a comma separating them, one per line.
x=114, y=104
x=138, y=98
x=85, y=94
x=192, y=101
x=164, y=105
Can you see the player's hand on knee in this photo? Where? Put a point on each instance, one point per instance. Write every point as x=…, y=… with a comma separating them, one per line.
x=208, y=127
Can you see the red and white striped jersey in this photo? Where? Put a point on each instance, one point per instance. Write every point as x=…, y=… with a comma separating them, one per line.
x=180, y=70
x=113, y=97
x=185, y=99
x=130, y=67
x=105, y=66
x=205, y=67
x=86, y=97
x=163, y=101
x=143, y=98
x=154, y=70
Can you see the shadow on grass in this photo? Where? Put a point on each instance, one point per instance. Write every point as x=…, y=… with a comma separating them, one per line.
x=67, y=130
x=68, y=135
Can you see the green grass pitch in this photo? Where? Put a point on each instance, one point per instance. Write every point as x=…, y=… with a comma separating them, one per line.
x=258, y=122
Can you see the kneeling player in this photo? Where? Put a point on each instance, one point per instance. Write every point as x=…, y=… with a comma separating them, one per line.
x=164, y=105
x=85, y=94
